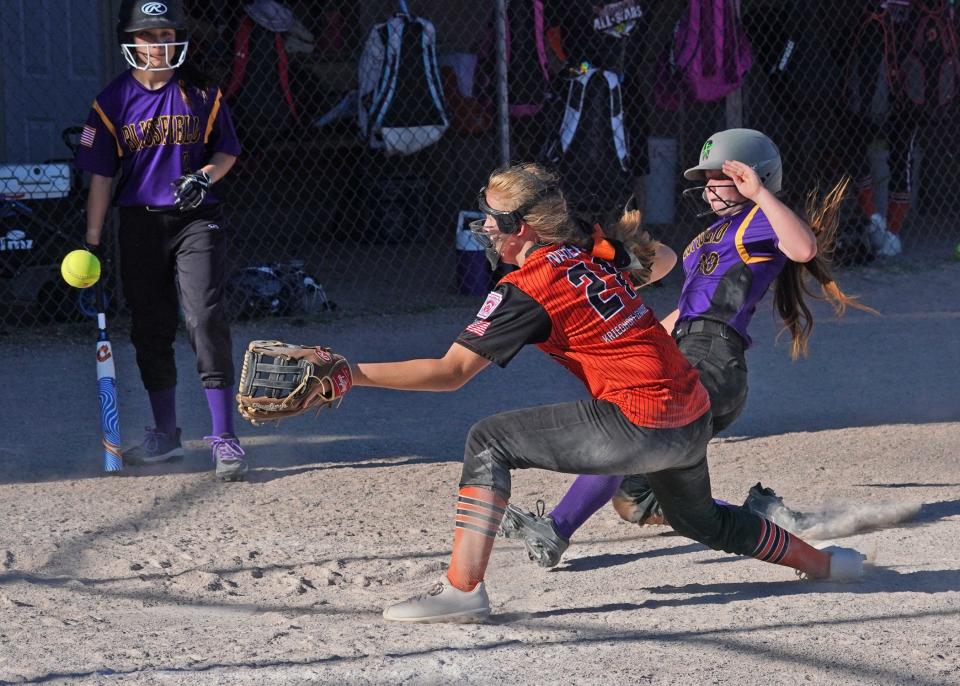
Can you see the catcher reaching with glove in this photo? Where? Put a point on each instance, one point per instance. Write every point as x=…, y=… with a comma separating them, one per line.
x=648, y=412
x=280, y=380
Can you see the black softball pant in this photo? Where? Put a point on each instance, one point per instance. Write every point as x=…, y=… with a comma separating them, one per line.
x=171, y=260
x=901, y=130
x=594, y=437
x=723, y=372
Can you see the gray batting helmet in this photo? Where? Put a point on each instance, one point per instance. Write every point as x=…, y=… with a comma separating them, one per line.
x=744, y=145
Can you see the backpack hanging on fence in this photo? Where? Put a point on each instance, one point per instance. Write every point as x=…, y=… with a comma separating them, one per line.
x=930, y=68
x=401, y=105
x=528, y=72
x=602, y=34
x=708, y=58
x=873, y=67
x=592, y=146
x=278, y=23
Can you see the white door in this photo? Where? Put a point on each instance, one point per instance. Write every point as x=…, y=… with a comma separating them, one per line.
x=50, y=57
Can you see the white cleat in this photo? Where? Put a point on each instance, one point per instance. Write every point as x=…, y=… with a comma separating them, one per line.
x=877, y=231
x=442, y=603
x=891, y=246
x=846, y=564
x=884, y=242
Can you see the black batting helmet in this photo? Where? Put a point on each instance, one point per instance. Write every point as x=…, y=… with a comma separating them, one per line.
x=140, y=15
x=144, y=15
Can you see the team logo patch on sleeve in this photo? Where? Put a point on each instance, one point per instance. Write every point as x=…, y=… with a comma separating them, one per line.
x=489, y=305
x=87, y=136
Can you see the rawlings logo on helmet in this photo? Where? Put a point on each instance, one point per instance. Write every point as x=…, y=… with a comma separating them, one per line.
x=705, y=151
x=153, y=9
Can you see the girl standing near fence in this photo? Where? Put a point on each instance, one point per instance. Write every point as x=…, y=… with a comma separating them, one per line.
x=164, y=128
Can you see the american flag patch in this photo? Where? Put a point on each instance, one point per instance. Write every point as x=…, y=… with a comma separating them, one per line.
x=87, y=136
x=479, y=327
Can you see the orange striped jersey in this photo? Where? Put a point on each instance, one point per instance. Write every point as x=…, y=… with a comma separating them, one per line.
x=582, y=312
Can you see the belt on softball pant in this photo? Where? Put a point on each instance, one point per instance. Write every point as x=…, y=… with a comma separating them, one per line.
x=709, y=326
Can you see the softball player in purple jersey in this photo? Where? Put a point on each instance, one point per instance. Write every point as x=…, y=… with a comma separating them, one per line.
x=165, y=129
x=756, y=243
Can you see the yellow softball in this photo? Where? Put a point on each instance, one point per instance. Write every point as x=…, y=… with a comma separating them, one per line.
x=80, y=268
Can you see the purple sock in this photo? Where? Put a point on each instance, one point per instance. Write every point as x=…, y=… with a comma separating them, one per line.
x=164, y=406
x=587, y=495
x=221, y=402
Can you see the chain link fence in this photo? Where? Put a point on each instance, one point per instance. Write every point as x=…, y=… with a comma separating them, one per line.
x=369, y=125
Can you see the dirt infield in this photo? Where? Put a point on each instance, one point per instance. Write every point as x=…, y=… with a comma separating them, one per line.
x=163, y=576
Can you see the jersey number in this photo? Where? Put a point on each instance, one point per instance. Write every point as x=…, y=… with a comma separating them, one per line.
x=580, y=274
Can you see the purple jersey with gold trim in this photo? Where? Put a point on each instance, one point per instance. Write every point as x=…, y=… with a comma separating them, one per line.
x=154, y=137
x=729, y=268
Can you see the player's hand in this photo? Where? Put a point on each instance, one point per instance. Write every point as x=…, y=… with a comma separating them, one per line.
x=92, y=248
x=190, y=190
x=744, y=177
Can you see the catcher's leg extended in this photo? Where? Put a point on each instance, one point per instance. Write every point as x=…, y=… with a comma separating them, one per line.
x=461, y=595
x=684, y=495
x=590, y=436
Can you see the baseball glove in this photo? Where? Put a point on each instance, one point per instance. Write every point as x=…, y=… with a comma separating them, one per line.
x=280, y=380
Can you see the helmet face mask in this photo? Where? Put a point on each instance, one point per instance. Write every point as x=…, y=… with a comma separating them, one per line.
x=696, y=196
x=174, y=55
x=508, y=223
x=489, y=239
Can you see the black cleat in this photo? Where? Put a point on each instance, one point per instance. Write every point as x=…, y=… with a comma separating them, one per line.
x=544, y=546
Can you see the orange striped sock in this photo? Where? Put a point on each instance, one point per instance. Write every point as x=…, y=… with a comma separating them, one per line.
x=479, y=511
x=780, y=547
x=897, y=211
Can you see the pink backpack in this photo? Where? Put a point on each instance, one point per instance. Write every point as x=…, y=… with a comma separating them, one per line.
x=528, y=71
x=708, y=58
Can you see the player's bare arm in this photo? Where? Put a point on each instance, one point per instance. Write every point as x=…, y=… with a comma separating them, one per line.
x=447, y=373
x=670, y=321
x=98, y=201
x=219, y=165
x=796, y=238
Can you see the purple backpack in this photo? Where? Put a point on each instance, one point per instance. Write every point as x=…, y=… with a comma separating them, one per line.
x=708, y=58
